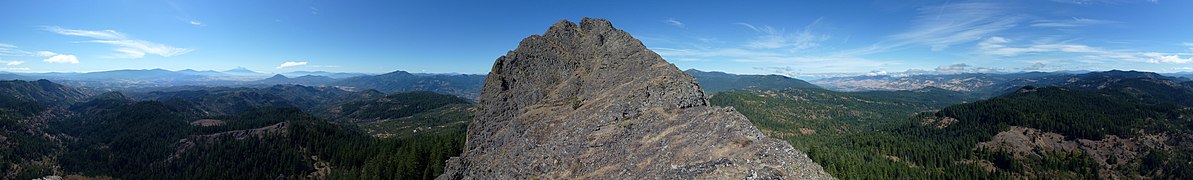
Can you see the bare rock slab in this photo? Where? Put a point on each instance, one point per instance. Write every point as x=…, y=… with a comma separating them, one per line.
x=589, y=101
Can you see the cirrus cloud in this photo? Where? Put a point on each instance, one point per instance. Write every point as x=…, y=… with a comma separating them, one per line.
x=12, y=50
x=1068, y=23
x=673, y=22
x=128, y=47
x=772, y=38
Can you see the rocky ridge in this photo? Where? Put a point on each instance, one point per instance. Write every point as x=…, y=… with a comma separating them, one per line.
x=589, y=101
x=1111, y=153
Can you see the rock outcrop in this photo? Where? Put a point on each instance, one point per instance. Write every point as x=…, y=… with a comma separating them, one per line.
x=591, y=102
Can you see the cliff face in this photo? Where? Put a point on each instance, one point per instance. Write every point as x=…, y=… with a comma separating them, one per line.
x=590, y=101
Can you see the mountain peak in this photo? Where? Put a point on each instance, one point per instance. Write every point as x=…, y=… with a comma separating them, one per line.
x=596, y=24
x=399, y=73
x=241, y=69
x=576, y=100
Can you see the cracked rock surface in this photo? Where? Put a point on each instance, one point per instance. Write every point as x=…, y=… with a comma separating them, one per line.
x=589, y=101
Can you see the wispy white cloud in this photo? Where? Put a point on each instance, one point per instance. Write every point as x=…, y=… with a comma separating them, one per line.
x=1000, y=46
x=138, y=48
x=1067, y=23
x=775, y=47
x=689, y=59
x=12, y=50
x=183, y=14
x=100, y=34
x=960, y=68
x=129, y=47
x=673, y=22
x=726, y=52
x=62, y=59
x=953, y=69
x=1090, y=2
x=14, y=63
x=46, y=53
x=942, y=26
x=291, y=64
x=832, y=62
x=15, y=69
x=816, y=63
x=997, y=46
x=772, y=38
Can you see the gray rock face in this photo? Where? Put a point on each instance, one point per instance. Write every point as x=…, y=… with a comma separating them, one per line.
x=591, y=102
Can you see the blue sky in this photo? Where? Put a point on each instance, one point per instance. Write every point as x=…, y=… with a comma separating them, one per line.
x=803, y=39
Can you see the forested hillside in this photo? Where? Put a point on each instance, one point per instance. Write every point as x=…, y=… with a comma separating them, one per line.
x=49, y=129
x=403, y=114
x=852, y=134
x=713, y=82
x=1100, y=125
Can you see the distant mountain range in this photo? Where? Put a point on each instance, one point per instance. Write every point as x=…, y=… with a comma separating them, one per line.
x=713, y=81
x=309, y=80
x=468, y=85
x=984, y=85
x=335, y=75
x=967, y=82
x=464, y=85
x=241, y=71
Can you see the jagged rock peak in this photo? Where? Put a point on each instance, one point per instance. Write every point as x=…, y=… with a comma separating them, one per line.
x=591, y=102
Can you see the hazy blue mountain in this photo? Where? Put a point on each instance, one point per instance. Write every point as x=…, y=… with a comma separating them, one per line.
x=242, y=71
x=466, y=85
x=433, y=74
x=11, y=76
x=309, y=80
x=1179, y=74
x=202, y=73
x=135, y=75
x=336, y=75
x=713, y=81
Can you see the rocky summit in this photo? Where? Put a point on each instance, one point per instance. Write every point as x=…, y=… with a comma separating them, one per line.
x=589, y=101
